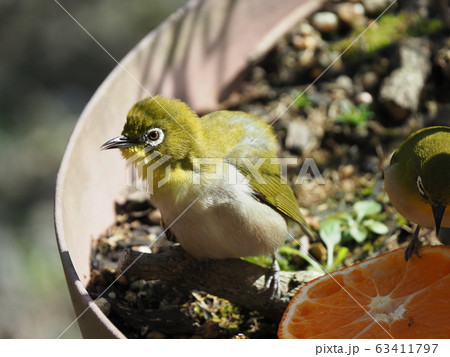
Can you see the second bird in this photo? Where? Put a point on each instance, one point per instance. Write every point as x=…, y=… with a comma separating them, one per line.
x=418, y=180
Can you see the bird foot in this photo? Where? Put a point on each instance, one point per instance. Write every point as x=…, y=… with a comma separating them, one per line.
x=273, y=281
x=414, y=245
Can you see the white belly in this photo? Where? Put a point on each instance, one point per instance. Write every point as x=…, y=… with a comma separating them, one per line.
x=219, y=220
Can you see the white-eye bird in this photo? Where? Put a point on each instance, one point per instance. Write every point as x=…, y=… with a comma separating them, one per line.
x=417, y=180
x=224, y=197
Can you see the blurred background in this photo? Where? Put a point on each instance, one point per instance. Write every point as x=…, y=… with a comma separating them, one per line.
x=49, y=68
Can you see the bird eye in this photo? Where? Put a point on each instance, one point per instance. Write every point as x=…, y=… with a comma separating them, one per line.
x=154, y=136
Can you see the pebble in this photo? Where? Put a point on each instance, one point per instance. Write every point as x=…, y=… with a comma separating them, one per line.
x=142, y=249
x=369, y=79
x=345, y=83
x=103, y=305
x=304, y=42
x=347, y=171
x=240, y=336
x=325, y=21
x=443, y=59
x=298, y=136
x=364, y=98
x=131, y=297
x=135, y=224
x=306, y=29
x=348, y=186
x=331, y=58
x=138, y=285
x=351, y=14
x=375, y=7
x=318, y=251
x=306, y=58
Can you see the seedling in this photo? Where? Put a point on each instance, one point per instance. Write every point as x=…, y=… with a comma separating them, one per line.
x=344, y=226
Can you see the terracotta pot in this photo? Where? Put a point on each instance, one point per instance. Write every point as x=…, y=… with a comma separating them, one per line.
x=197, y=55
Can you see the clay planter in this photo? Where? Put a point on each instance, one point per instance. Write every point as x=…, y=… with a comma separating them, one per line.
x=197, y=55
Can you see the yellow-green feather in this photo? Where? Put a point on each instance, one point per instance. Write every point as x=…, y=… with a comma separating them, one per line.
x=243, y=136
x=426, y=153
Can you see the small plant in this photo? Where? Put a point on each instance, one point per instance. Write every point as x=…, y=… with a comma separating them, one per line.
x=345, y=226
x=363, y=42
x=287, y=250
x=301, y=99
x=355, y=115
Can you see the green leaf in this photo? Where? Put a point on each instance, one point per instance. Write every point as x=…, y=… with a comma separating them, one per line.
x=357, y=116
x=286, y=249
x=400, y=220
x=302, y=99
x=366, y=208
x=344, y=216
x=340, y=256
x=330, y=232
x=284, y=264
x=376, y=227
x=357, y=232
x=262, y=260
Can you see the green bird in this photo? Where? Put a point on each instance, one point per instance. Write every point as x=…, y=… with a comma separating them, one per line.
x=417, y=180
x=222, y=194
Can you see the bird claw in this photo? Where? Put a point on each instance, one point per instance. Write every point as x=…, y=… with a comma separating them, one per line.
x=414, y=245
x=272, y=283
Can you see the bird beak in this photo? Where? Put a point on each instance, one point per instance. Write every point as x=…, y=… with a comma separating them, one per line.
x=121, y=141
x=438, y=213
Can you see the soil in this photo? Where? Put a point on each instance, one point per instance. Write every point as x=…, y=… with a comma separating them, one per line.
x=341, y=111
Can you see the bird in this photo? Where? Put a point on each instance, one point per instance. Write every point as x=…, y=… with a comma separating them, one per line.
x=417, y=181
x=215, y=179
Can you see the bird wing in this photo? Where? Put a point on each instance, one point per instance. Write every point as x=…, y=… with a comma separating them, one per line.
x=270, y=190
x=250, y=138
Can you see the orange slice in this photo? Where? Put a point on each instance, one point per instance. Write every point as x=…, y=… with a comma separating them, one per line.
x=382, y=297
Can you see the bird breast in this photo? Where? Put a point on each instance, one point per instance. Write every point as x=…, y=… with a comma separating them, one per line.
x=407, y=199
x=218, y=217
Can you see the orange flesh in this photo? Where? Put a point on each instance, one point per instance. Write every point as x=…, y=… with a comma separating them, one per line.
x=408, y=300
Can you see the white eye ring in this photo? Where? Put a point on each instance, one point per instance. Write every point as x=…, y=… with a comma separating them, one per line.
x=154, y=136
x=420, y=186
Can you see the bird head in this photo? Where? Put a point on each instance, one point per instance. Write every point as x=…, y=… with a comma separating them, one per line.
x=433, y=184
x=167, y=127
x=422, y=165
